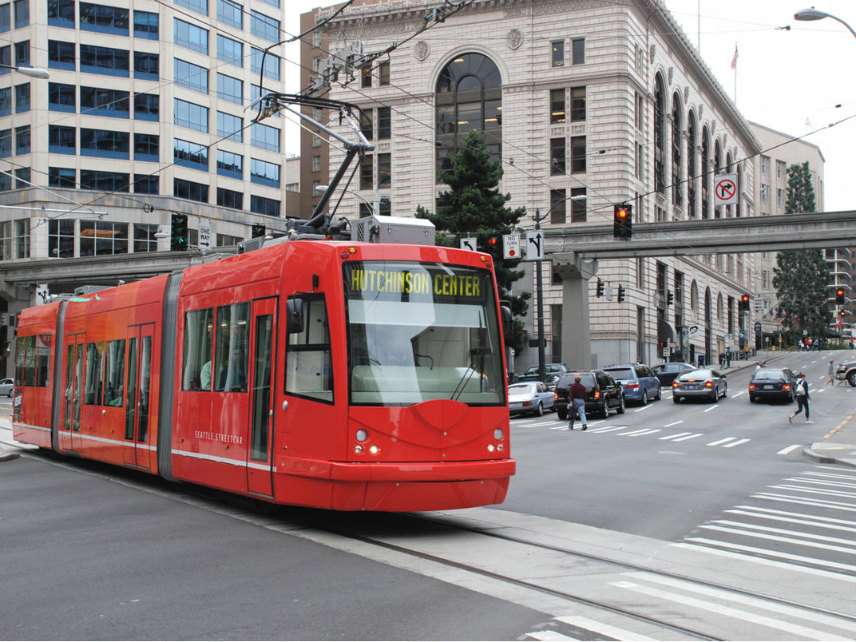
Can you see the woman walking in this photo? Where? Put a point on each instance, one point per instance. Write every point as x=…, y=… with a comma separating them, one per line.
x=802, y=398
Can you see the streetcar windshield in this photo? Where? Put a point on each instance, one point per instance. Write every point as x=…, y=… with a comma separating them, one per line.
x=422, y=331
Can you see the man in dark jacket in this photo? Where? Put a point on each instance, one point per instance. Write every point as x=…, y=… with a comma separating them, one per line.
x=801, y=391
x=577, y=394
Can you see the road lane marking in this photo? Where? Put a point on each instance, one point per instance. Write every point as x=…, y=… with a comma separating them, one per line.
x=698, y=434
x=639, y=433
x=775, y=513
x=820, y=482
x=547, y=636
x=633, y=432
x=610, y=429
x=712, y=408
x=721, y=441
x=674, y=423
x=789, y=449
x=780, y=538
x=643, y=408
x=821, y=390
x=598, y=627
x=729, y=611
x=742, y=392
x=790, y=520
x=794, y=499
x=675, y=436
x=737, y=443
x=830, y=475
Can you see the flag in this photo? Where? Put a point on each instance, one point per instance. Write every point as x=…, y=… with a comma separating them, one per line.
x=734, y=59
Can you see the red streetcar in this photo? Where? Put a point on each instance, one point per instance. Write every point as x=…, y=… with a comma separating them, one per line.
x=348, y=376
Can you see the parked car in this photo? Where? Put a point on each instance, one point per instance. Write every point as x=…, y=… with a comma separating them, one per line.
x=549, y=368
x=549, y=379
x=637, y=380
x=700, y=384
x=602, y=393
x=847, y=370
x=531, y=397
x=772, y=383
x=668, y=372
x=7, y=387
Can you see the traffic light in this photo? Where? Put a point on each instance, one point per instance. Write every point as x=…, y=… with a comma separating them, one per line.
x=492, y=243
x=839, y=295
x=670, y=298
x=622, y=221
x=744, y=300
x=599, y=288
x=842, y=312
x=621, y=294
x=258, y=230
x=178, y=233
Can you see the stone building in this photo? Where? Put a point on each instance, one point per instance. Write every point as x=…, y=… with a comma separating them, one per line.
x=586, y=104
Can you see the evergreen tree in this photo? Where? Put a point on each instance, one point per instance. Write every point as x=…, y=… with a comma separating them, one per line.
x=801, y=277
x=474, y=206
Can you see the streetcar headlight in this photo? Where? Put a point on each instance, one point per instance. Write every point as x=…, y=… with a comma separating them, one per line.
x=361, y=434
x=358, y=449
x=490, y=448
x=374, y=450
x=497, y=434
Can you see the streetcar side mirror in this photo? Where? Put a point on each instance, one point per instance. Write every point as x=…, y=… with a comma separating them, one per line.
x=294, y=316
x=506, y=321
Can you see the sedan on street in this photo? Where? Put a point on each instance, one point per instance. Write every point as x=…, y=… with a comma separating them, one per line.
x=531, y=397
x=700, y=384
x=7, y=387
x=772, y=383
x=668, y=372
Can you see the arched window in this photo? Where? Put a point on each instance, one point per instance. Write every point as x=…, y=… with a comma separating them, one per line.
x=659, y=135
x=677, y=156
x=705, y=168
x=691, y=166
x=468, y=98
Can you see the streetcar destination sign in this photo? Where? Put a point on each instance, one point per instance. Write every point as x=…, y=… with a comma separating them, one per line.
x=391, y=281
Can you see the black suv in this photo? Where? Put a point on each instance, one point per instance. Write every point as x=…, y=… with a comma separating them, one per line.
x=602, y=393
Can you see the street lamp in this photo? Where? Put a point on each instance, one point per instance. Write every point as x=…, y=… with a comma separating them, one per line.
x=32, y=72
x=810, y=15
x=320, y=189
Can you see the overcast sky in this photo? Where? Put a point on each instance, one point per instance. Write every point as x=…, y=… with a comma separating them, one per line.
x=791, y=80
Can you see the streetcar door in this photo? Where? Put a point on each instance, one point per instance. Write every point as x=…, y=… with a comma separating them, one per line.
x=73, y=385
x=263, y=349
x=138, y=393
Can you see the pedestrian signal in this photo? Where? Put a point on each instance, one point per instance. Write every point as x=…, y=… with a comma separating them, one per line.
x=621, y=294
x=839, y=295
x=178, y=233
x=670, y=298
x=599, y=288
x=622, y=221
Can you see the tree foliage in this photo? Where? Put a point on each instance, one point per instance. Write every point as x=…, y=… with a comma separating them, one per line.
x=474, y=206
x=801, y=277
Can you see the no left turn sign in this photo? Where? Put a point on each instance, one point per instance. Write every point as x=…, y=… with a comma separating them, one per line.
x=725, y=189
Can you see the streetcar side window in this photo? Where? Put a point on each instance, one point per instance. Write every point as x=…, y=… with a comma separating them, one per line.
x=198, y=329
x=309, y=372
x=114, y=388
x=94, y=374
x=42, y=360
x=233, y=346
x=24, y=357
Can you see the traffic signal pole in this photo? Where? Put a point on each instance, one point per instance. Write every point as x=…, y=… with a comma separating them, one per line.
x=539, y=302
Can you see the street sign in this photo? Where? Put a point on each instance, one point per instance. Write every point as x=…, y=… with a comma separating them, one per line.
x=535, y=245
x=693, y=329
x=511, y=246
x=43, y=295
x=607, y=293
x=469, y=243
x=204, y=233
x=725, y=189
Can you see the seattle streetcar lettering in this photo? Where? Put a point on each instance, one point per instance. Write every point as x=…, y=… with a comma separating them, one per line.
x=403, y=282
x=207, y=435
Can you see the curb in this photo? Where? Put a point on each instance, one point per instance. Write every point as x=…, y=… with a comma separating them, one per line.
x=825, y=459
x=8, y=455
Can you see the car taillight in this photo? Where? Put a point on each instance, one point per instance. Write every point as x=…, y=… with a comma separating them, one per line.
x=555, y=395
x=631, y=386
x=596, y=395
x=708, y=384
x=527, y=403
x=676, y=384
x=786, y=386
x=752, y=387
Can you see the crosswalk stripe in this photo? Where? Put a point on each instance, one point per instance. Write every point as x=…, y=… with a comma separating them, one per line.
x=721, y=441
x=687, y=438
x=780, y=538
x=599, y=627
x=609, y=429
x=790, y=499
x=674, y=423
x=784, y=531
x=814, y=491
x=831, y=475
x=729, y=611
x=789, y=449
x=773, y=511
x=680, y=434
x=547, y=635
x=737, y=443
x=636, y=433
x=821, y=482
x=773, y=553
x=811, y=521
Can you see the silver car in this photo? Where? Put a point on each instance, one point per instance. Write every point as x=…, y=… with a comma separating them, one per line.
x=700, y=384
x=531, y=397
x=7, y=387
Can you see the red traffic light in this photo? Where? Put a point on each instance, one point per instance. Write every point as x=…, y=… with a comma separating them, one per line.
x=744, y=298
x=491, y=241
x=621, y=212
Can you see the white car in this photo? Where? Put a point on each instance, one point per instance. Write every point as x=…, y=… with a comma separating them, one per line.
x=530, y=397
x=7, y=387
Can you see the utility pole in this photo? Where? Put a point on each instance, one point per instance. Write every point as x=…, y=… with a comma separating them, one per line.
x=539, y=301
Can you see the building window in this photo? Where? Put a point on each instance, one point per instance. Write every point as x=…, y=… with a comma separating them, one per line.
x=780, y=198
x=61, y=238
x=190, y=190
x=659, y=136
x=5, y=145
x=229, y=164
x=468, y=98
x=191, y=116
x=316, y=140
x=5, y=59
x=557, y=106
x=22, y=53
x=104, y=60
x=765, y=192
x=578, y=104
x=264, y=173
x=22, y=238
x=272, y=64
x=557, y=156
x=292, y=187
x=231, y=13
x=104, y=143
x=266, y=206
x=677, y=151
x=61, y=97
x=146, y=25
x=146, y=147
x=22, y=98
x=557, y=48
x=384, y=123
x=578, y=205
x=264, y=26
x=558, y=214
x=191, y=76
x=144, y=237
x=264, y=136
x=384, y=171
x=105, y=102
x=22, y=177
x=103, y=182
x=5, y=101
x=5, y=18
x=384, y=206
x=146, y=107
x=62, y=140
x=691, y=166
x=230, y=127
x=61, y=13
x=316, y=163
x=226, y=240
x=62, y=177
x=22, y=13
x=5, y=182
x=231, y=89
x=98, y=17
x=190, y=36
x=98, y=238
x=640, y=110
x=781, y=170
x=230, y=198
x=640, y=161
x=578, y=51
x=383, y=72
x=22, y=140
x=765, y=165
x=366, y=172
x=366, y=76
x=578, y=154
x=192, y=155
x=367, y=123
x=230, y=51
x=147, y=66
x=60, y=55
x=146, y=184
x=200, y=6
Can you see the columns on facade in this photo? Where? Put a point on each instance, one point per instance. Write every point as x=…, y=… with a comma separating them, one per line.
x=686, y=146
x=667, y=161
x=695, y=150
